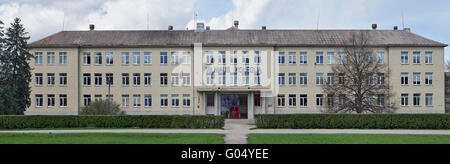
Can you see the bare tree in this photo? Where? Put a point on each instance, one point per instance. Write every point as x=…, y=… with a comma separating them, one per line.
x=357, y=83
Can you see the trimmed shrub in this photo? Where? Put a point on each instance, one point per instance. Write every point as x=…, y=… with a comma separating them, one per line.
x=121, y=121
x=354, y=121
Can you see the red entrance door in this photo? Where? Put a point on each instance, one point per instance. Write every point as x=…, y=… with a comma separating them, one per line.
x=234, y=110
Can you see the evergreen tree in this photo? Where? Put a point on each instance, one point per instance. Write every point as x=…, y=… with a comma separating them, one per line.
x=17, y=71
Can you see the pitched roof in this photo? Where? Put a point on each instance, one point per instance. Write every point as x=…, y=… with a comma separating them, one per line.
x=183, y=38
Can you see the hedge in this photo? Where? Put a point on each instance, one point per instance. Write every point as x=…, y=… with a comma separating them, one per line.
x=169, y=122
x=354, y=121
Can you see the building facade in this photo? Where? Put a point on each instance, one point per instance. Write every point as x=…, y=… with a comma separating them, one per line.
x=236, y=73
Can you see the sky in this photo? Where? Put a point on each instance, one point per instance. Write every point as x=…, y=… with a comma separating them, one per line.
x=428, y=18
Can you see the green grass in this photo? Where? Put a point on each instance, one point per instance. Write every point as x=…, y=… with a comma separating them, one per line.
x=347, y=139
x=110, y=138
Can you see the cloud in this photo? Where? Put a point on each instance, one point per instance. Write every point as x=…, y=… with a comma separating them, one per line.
x=45, y=17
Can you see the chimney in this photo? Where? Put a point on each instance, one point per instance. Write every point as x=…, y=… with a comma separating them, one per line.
x=208, y=28
x=170, y=28
x=263, y=28
x=408, y=29
x=200, y=27
x=374, y=26
x=395, y=27
x=91, y=27
x=236, y=24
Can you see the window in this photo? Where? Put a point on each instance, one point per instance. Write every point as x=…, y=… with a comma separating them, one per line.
x=303, y=58
x=164, y=101
x=175, y=101
x=147, y=79
x=429, y=78
x=342, y=100
x=186, y=79
x=163, y=58
x=380, y=100
x=281, y=58
x=125, y=101
x=416, y=57
x=330, y=58
x=404, y=79
x=370, y=79
x=281, y=79
x=330, y=100
x=222, y=78
x=257, y=57
x=147, y=58
x=147, y=101
x=39, y=100
x=62, y=100
x=257, y=76
x=370, y=100
x=109, y=79
x=404, y=58
x=210, y=78
x=257, y=100
x=136, y=79
x=404, y=100
x=342, y=79
x=87, y=79
x=428, y=57
x=186, y=58
x=222, y=57
x=358, y=57
x=330, y=78
x=209, y=57
x=429, y=99
x=136, y=58
x=51, y=101
x=319, y=57
x=292, y=100
x=97, y=98
x=319, y=100
x=50, y=58
x=136, y=101
x=380, y=57
x=87, y=58
x=380, y=78
x=210, y=100
x=416, y=99
x=38, y=58
x=125, y=58
x=63, y=58
x=292, y=58
x=246, y=77
x=109, y=58
x=186, y=100
x=110, y=98
x=369, y=57
x=50, y=79
x=125, y=79
x=98, y=79
x=233, y=57
x=319, y=79
x=175, y=79
x=303, y=79
x=38, y=79
x=98, y=58
x=281, y=101
x=163, y=79
x=174, y=58
x=303, y=100
x=416, y=78
x=233, y=78
x=245, y=57
x=63, y=79
x=342, y=59
x=292, y=79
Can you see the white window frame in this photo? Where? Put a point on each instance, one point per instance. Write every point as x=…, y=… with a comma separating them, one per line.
x=303, y=58
x=404, y=57
x=417, y=78
x=148, y=79
x=429, y=78
x=148, y=101
x=281, y=101
x=186, y=58
x=98, y=58
x=292, y=58
x=164, y=101
x=125, y=58
x=175, y=58
x=303, y=101
x=109, y=58
x=292, y=79
x=281, y=79
x=186, y=100
x=136, y=79
x=63, y=58
x=39, y=98
x=380, y=57
x=136, y=58
x=175, y=79
x=175, y=101
x=331, y=60
x=125, y=101
x=38, y=58
x=429, y=99
x=416, y=57
x=147, y=58
x=209, y=57
x=319, y=79
x=137, y=101
x=281, y=58
x=319, y=58
x=404, y=78
x=292, y=101
x=257, y=57
x=428, y=57
x=303, y=79
x=404, y=100
x=51, y=58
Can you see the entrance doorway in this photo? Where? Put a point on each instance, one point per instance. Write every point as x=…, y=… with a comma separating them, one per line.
x=234, y=106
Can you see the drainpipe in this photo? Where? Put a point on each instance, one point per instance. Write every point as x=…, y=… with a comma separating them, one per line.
x=79, y=78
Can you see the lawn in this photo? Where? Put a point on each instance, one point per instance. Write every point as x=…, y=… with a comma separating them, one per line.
x=347, y=139
x=110, y=138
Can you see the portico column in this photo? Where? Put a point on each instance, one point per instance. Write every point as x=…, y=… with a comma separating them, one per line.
x=263, y=105
x=216, y=103
x=251, y=104
x=203, y=111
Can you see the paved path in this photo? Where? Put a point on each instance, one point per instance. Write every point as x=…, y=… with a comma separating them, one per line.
x=238, y=131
